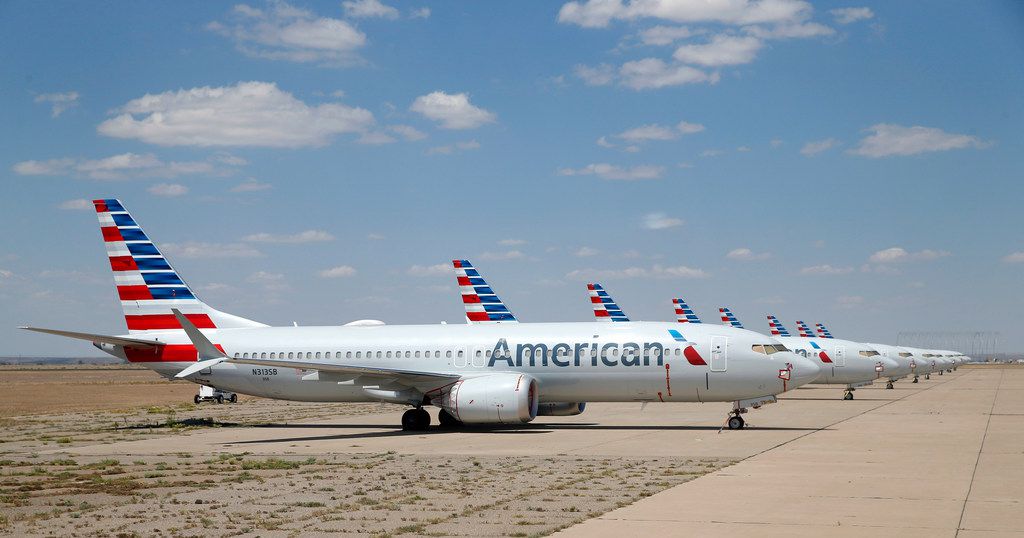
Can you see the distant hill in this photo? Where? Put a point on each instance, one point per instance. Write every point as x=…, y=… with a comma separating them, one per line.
x=59, y=360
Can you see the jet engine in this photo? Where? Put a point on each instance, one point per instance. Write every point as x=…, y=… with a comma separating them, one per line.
x=560, y=409
x=492, y=399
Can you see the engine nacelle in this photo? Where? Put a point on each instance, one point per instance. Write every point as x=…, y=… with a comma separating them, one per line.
x=492, y=399
x=560, y=409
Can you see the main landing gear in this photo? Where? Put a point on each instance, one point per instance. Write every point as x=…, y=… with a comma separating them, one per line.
x=446, y=420
x=416, y=420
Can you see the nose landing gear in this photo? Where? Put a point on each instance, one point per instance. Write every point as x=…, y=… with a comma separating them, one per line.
x=848, y=395
x=735, y=420
x=888, y=385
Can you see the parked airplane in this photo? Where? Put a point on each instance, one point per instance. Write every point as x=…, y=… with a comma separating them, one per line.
x=903, y=359
x=476, y=374
x=843, y=362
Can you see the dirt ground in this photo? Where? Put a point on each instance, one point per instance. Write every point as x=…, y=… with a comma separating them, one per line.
x=45, y=489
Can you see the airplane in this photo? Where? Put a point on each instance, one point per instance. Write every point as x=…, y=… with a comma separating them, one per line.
x=843, y=362
x=488, y=373
x=902, y=358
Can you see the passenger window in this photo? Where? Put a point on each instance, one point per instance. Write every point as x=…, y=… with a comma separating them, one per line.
x=615, y=352
x=263, y=355
x=478, y=353
x=417, y=355
x=448, y=354
x=437, y=354
x=348, y=355
x=318, y=354
x=679, y=352
x=488, y=353
x=359, y=354
x=271, y=355
x=460, y=353
x=408, y=354
x=237, y=355
x=245, y=355
x=388, y=354
x=379, y=354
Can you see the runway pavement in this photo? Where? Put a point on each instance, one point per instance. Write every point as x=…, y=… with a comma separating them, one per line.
x=936, y=458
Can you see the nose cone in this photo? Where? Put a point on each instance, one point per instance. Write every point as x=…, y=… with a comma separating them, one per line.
x=804, y=370
x=890, y=367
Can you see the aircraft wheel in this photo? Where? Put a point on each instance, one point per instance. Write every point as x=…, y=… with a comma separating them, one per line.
x=220, y=398
x=415, y=420
x=736, y=422
x=446, y=420
x=888, y=385
x=233, y=398
x=196, y=399
x=914, y=381
x=927, y=376
x=848, y=396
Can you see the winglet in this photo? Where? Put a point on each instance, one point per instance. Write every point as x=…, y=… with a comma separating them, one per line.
x=729, y=319
x=804, y=330
x=206, y=349
x=776, y=327
x=823, y=331
x=684, y=314
x=605, y=308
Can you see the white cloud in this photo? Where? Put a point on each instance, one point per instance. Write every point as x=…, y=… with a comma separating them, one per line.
x=441, y=269
x=790, y=31
x=899, y=254
x=818, y=146
x=246, y=114
x=507, y=255
x=599, y=75
x=340, y=271
x=660, y=221
x=746, y=255
x=375, y=138
x=1015, y=257
x=776, y=142
x=599, y=13
x=512, y=242
x=722, y=49
x=407, y=132
x=307, y=236
x=889, y=139
x=59, y=102
x=655, y=132
x=123, y=166
x=825, y=270
x=689, y=128
x=168, y=189
x=452, y=111
x=712, y=153
x=454, y=148
x=361, y=9
x=285, y=32
x=251, y=186
x=79, y=204
x=665, y=35
x=585, y=252
x=197, y=249
x=604, y=143
x=743, y=149
x=4, y=273
x=847, y=15
x=608, y=171
x=657, y=271
x=421, y=13
x=652, y=73
x=268, y=281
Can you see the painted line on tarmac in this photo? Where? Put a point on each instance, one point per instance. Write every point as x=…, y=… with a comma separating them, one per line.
x=995, y=396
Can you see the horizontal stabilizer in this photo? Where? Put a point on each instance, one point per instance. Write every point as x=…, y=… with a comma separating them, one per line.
x=100, y=338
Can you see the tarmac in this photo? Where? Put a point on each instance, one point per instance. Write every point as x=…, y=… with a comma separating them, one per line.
x=944, y=457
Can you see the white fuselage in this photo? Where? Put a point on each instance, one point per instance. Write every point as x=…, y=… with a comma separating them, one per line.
x=572, y=362
x=841, y=361
x=904, y=359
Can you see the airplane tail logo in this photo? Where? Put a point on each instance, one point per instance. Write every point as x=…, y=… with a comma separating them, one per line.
x=146, y=283
x=823, y=331
x=821, y=353
x=804, y=330
x=605, y=309
x=684, y=314
x=776, y=326
x=482, y=304
x=729, y=319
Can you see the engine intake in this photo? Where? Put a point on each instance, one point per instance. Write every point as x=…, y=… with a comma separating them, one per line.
x=560, y=409
x=492, y=399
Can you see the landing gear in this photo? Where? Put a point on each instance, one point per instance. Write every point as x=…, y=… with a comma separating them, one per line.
x=416, y=420
x=927, y=376
x=915, y=379
x=739, y=407
x=888, y=385
x=446, y=420
x=848, y=395
x=736, y=422
x=940, y=372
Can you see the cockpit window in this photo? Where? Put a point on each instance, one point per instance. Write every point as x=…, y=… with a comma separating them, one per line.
x=905, y=354
x=781, y=348
x=758, y=348
x=869, y=353
x=768, y=349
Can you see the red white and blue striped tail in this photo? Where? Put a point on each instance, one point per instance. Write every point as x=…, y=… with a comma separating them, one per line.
x=776, y=326
x=684, y=314
x=803, y=330
x=605, y=309
x=482, y=304
x=728, y=318
x=147, y=284
x=823, y=331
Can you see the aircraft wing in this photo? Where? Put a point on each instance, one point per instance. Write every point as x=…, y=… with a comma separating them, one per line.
x=99, y=338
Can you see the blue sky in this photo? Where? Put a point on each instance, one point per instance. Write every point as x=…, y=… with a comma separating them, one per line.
x=853, y=163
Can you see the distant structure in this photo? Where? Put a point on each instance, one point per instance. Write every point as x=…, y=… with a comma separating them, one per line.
x=979, y=345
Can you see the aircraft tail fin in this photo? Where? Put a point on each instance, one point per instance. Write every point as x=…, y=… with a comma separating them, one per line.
x=804, y=330
x=684, y=314
x=482, y=304
x=605, y=308
x=728, y=318
x=776, y=326
x=822, y=330
x=147, y=285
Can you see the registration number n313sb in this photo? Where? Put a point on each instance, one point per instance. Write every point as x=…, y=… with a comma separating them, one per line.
x=264, y=371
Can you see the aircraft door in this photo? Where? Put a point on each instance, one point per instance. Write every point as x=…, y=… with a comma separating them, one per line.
x=719, y=353
x=840, y=356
